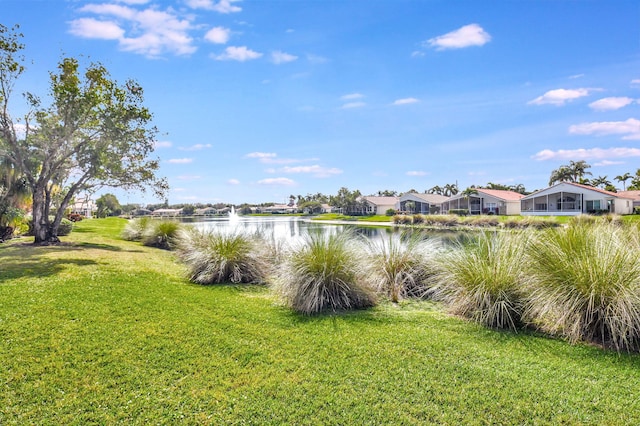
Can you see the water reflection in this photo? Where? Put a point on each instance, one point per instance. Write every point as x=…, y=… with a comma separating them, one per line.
x=290, y=229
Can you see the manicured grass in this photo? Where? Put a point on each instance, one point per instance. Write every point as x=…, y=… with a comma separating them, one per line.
x=105, y=331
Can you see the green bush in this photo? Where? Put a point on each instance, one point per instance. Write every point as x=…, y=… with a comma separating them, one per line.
x=219, y=257
x=459, y=212
x=483, y=280
x=65, y=228
x=324, y=273
x=135, y=228
x=417, y=219
x=586, y=284
x=442, y=220
x=161, y=234
x=401, y=267
x=390, y=212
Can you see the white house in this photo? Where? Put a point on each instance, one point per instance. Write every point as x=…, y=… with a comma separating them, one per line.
x=570, y=199
x=377, y=205
x=84, y=206
x=485, y=201
x=422, y=203
x=634, y=195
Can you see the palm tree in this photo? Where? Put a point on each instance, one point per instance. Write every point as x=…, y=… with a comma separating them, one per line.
x=600, y=181
x=623, y=179
x=436, y=190
x=450, y=189
x=579, y=169
x=561, y=174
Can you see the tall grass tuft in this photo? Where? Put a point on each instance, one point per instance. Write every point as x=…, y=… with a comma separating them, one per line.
x=482, y=280
x=220, y=257
x=324, y=273
x=161, y=234
x=401, y=267
x=586, y=284
x=134, y=229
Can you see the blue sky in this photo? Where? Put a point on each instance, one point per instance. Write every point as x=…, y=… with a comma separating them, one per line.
x=260, y=99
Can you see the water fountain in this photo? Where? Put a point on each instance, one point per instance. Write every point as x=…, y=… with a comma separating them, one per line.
x=233, y=216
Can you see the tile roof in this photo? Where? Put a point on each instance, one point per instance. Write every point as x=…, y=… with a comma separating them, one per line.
x=502, y=194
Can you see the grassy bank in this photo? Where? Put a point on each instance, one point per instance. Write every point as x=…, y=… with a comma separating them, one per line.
x=101, y=330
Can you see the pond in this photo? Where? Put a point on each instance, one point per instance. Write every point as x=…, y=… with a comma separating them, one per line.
x=292, y=228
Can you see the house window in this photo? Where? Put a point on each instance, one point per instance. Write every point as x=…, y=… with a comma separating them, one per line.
x=593, y=205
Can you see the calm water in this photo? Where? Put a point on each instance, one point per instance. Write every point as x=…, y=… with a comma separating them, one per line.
x=292, y=228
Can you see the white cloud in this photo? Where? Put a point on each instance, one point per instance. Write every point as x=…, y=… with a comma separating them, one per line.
x=196, y=147
x=233, y=182
x=316, y=170
x=586, y=154
x=417, y=54
x=150, y=32
x=277, y=181
x=261, y=155
x=405, y=101
x=222, y=6
x=279, y=57
x=635, y=82
x=609, y=104
x=92, y=28
x=629, y=128
x=163, y=144
x=350, y=105
x=218, y=35
x=238, y=53
x=416, y=173
x=573, y=77
x=560, y=96
x=180, y=160
x=352, y=96
x=469, y=35
x=608, y=163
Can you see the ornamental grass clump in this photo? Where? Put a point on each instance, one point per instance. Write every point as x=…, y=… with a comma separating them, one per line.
x=586, y=284
x=134, y=229
x=221, y=257
x=324, y=273
x=482, y=280
x=161, y=234
x=401, y=267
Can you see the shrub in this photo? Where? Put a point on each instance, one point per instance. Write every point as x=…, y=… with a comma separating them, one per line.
x=442, y=220
x=586, y=284
x=417, y=219
x=75, y=217
x=65, y=228
x=218, y=257
x=135, y=228
x=324, y=273
x=402, y=219
x=482, y=221
x=482, y=280
x=390, y=212
x=161, y=234
x=459, y=212
x=537, y=222
x=401, y=267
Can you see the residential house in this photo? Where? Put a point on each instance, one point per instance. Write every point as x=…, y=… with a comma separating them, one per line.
x=634, y=195
x=485, y=201
x=84, y=206
x=206, y=211
x=414, y=202
x=570, y=199
x=280, y=209
x=372, y=205
x=167, y=212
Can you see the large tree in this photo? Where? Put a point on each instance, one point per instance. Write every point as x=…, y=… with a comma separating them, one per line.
x=94, y=133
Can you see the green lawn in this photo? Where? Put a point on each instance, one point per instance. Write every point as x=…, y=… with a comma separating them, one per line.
x=104, y=331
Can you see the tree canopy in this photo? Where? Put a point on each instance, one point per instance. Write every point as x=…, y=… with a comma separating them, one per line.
x=94, y=133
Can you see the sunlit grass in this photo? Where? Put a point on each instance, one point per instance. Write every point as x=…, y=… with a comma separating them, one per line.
x=105, y=331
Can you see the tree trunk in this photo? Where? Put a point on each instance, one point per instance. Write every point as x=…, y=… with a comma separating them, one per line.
x=40, y=222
